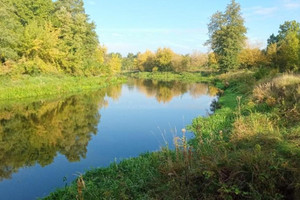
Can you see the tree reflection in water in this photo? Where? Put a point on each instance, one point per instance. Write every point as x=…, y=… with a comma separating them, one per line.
x=165, y=91
x=34, y=133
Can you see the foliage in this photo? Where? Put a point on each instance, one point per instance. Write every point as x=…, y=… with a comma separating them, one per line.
x=283, y=49
x=252, y=57
x=128, y=63
x=165, y=60
x=44, y=36
x=227, y=36
x=114, y=62
x=145, y=61
x=10, y=32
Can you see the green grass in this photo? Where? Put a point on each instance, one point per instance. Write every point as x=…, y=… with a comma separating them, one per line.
x=41, y=86
x=170, y=76
x=130, y=179
x=246, y=150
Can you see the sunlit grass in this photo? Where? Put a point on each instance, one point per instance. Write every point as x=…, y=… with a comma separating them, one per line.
x=39, y=86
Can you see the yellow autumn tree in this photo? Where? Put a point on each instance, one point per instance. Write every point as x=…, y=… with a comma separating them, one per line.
x=145, y=61
x=114, y=63
x=164, y=58
x=251, y=56
x=198, y=60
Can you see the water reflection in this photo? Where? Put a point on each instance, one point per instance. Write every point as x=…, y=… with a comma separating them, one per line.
x=164, y=92
x=34, y=133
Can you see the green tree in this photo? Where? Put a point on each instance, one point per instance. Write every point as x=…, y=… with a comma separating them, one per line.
x=10, y=32
x=163, y=59
x=40, y=44
x=79, y=38
x=114, y=63
x=227, y=35
x=284, y=49
x=128, y=62
x=38, y=10
x=38, y=36
x=286, y=28
x=145, y=61
x=288, y=52
x=252, y=56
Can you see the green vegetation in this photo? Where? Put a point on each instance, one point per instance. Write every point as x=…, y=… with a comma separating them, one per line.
x=170, y=76
x=284, y=48
x=50, y=48
x=49, y=37
x=227, y=36
x=39, y=86
x=165, y=60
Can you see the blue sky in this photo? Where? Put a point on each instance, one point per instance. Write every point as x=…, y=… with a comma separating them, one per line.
x=136, y=25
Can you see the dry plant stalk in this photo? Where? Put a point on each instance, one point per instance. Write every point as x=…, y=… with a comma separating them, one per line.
x=80, y=187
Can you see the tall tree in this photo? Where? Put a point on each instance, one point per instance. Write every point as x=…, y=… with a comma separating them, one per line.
x=163, y=59
x=79, y=37
x=286, y=55
x=10, y=32
x=227, y=35
x=38, y=10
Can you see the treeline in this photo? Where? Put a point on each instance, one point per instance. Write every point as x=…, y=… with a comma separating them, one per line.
x=45, y=36
x=163, y=60
x=282, y=53
x=227, y=41
x=229, y=49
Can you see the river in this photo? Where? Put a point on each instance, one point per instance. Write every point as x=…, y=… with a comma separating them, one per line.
x=46, y=143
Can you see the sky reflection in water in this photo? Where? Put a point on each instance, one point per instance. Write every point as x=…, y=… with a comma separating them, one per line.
x=42, y=142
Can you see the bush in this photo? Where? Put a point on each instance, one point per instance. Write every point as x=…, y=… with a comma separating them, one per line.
x=282, y=93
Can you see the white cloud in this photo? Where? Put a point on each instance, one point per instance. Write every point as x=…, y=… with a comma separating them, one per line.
x=264, y=11
x=290, y=4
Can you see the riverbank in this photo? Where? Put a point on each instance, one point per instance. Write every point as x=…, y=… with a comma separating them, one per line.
x=249, y=148
x=196, y=77
x=45, y=86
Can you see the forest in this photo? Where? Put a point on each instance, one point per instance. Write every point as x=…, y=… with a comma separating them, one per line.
x=46, y=37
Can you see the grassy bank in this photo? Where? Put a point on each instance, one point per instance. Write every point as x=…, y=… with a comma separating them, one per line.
x=172, y=76
x=39, y=86
x=248, y=149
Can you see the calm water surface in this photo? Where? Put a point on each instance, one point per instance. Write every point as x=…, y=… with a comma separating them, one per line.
x=44, y=143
